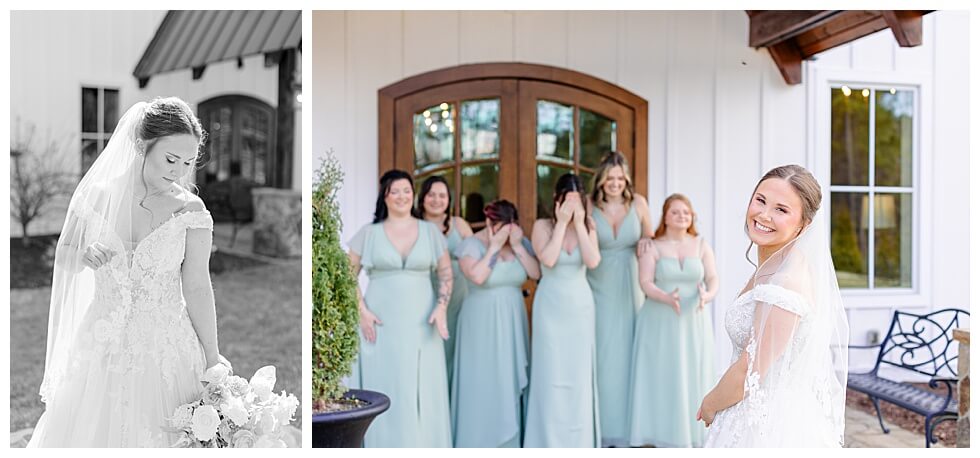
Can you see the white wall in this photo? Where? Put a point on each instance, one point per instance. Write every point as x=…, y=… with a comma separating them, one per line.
x=54, y=53
x=720, y=114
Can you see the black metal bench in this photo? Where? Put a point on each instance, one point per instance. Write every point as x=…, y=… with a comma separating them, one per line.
x=922, y=344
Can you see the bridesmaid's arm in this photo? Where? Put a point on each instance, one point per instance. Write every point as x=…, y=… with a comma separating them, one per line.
x=527, y=260
x=462, y=227
x=477, y=270
x=647, y=272
x=588, y=242
x=444, y=270
x=368, y=318
x=195, y=282
x=710, y=272
x=547, y=241
x=643, y=211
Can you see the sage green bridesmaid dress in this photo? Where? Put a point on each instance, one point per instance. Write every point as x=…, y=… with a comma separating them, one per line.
x=673, y=365
x=563, y=409
x=616, y=288
x=491, y=367
x=453, y=239
x=407, y=361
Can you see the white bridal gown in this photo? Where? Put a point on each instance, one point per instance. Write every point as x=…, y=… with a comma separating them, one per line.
x=136, y=356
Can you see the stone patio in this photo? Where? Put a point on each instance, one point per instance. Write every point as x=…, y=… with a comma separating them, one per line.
x=862, y=431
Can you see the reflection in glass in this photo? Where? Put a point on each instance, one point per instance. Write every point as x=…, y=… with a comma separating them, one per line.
x=556, y=134
x=90, y=151
x=479, y=187
x=547, y=177
x=849, y=136
x=587, y=180
x=597, y=135
x=893, y=138
x=433, y=135
x=849, y=238
x=447, y=173
x=893, y=240
x=479, y=128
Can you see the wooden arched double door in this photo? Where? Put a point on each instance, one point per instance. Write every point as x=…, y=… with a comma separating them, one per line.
x=508, y=130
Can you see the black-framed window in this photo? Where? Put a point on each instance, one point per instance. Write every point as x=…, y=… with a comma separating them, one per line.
x=100, y=113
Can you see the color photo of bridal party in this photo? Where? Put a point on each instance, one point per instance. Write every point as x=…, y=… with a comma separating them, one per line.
x=640, y=228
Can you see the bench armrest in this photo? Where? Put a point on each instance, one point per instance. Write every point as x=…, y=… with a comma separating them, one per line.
x=864, y=346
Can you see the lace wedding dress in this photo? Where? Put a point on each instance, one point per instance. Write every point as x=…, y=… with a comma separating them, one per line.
x=136, y=355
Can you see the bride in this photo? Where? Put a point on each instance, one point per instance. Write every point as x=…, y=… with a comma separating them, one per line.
x=132, y=321
x=786, y=383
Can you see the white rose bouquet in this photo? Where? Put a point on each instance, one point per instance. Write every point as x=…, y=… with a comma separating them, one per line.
x=233, y=412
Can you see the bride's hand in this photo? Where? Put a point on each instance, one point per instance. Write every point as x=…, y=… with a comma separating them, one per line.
x=707, y=417
x=97, y=255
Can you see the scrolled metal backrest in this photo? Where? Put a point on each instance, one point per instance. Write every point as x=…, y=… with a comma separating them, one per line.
x=923, y=343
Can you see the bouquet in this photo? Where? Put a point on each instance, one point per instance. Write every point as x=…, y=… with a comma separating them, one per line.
x=233, y=412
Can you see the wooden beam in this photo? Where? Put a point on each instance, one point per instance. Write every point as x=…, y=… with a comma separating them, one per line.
x=789, y=60
x=844, y=29
x=906, y=26
x=767, y=28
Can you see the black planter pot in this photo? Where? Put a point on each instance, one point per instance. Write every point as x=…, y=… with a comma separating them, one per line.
x=346, y=429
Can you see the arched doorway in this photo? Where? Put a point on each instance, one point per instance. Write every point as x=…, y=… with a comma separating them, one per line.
x=508, y=130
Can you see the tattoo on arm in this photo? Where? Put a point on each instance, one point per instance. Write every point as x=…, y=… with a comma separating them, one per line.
x=445, y=285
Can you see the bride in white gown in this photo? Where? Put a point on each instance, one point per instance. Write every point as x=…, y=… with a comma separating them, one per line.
x=786, y=383
x=132, y=322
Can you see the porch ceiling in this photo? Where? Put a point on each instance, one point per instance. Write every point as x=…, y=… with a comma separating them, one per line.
x=194, y=39
x=791, y=36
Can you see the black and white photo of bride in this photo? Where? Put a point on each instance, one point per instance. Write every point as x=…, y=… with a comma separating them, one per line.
x=155, y=289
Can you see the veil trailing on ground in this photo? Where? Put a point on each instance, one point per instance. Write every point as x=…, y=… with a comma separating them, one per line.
x=797, y=373
x=101, y=210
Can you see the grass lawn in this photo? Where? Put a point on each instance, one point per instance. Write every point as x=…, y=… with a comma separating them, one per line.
x=259, y=323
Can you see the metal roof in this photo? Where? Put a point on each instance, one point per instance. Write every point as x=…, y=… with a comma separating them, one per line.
x=194, y=39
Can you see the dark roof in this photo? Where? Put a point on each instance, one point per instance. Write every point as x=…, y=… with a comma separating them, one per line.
x=194, y=39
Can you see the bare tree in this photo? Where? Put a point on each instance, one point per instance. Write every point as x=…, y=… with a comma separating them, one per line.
x=39, y=180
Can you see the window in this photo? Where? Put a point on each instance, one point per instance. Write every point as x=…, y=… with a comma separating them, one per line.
x=873, y=186
x=100, y=113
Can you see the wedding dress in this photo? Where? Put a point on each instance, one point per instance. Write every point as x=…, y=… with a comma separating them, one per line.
x=791, y=326
x=122, y=351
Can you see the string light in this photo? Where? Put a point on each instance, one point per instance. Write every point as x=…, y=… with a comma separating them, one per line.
x=846, y=90
x=865, y=93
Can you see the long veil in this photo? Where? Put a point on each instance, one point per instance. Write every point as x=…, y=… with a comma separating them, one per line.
x=100, y=210
x=797, y=375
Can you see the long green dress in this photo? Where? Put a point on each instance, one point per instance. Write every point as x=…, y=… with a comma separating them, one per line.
x=491, y=356
x=407, y=360
x=453, y=238
x=563, y=409
x=673, y=365
x=617, y=292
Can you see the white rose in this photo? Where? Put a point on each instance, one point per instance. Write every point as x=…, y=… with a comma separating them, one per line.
x=263, y=381
x=205, y=423
x=216, y=374
x=182, y=416
x=269, y=441
x=236, y=411
x=267, y=422
x=243, y=439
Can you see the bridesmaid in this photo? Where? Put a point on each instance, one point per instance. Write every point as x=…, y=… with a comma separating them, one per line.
x=492, y=345
x=402, y=319
x=673, y=346
x=622, y=217
x=435, y=206
x=562, y=401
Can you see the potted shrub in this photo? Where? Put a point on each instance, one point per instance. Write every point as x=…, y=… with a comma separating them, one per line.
x=340, y=417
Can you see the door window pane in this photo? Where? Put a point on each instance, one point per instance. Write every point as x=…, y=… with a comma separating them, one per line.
x=479, y=187
x=849, y=238
x=555, y=133
x=450, y=176
x=893, y=240
x=849, y=136
x=597, y=134
x=479, y=129
x=90, y=151
x=547, y=177
x=893, y=138
x=434, y=137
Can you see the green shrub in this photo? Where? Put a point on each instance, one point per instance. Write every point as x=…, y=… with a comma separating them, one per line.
x=335, y=314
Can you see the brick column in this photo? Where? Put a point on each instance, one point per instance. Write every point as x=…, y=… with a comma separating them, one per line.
x=963, y=423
